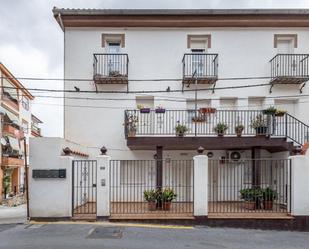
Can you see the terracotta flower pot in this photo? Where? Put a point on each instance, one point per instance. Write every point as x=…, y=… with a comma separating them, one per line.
x=268, y=205
x=250, y=205
x=167, y=206
x=152, y=205
x=131, y=133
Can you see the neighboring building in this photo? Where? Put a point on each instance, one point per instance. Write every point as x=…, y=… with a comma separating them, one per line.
x=35, y=129
x=16, y=124
x=167, y=52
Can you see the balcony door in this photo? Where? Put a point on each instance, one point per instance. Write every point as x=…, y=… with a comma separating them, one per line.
x=198, y=62
x=114, y=65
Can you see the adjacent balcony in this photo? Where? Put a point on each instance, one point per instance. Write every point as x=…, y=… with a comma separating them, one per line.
x=201, y=67
x=289, y=69
x=8, y=161
x=110, y=68
x=35, y=131
x=13, y=130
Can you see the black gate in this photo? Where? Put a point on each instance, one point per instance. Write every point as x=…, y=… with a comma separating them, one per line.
x=84, y=187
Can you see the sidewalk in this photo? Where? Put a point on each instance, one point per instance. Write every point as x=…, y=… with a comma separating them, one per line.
x=10, y=215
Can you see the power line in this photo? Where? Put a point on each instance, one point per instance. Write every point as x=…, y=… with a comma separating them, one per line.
x=138, y=92
x=130, y=80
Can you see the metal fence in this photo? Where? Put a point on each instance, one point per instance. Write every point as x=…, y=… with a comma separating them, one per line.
x=84, y=187
x=131, y=180
x=261, y=185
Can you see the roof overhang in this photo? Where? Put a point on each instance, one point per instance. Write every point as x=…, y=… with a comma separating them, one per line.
x=14, y=81
x=182, y=17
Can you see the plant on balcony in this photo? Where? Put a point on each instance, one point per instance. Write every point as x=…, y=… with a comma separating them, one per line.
x=132, y=125
x=114, y=73
x=160, y=109
x=260, y=125
x=167, y=196
x=220, y=129
x=239, y=129
x=143, y=109
x=270, y=110
x=181, y=130
x=252, y=197
x=269, y=196
x=207, y=110
x=280, y=113
x=151, y=197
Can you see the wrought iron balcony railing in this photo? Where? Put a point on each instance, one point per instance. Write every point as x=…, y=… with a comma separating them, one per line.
x=110, y=68
x=164, y=122
x=289, y=68
x=203, y=66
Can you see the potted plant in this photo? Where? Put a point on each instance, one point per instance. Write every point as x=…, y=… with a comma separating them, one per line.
x=239, y=129
x=208, y=110
x=181, y=130
x=220, y=129
x=269, y=196
x=280, y=113
x=260, y=125
x=160, y=109
x=270, y=110
x=132, y=125
x=252, y=197
x=168, y=195
x=143, y=109
x=151, y=197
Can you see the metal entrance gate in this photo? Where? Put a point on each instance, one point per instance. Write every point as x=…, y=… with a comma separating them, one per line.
x=249, y=185
x=84, y=187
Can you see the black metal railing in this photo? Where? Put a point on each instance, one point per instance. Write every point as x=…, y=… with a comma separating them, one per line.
x=203, y=64
x=131, y=179
x=154, y=123
x=290, y=65
x=84, y=187
x=248, y=185
x=110, y=65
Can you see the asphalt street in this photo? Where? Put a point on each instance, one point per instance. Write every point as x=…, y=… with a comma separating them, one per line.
x=117, y=236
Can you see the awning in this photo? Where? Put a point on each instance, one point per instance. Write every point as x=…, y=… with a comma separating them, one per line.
x=10, y=117
x=14, y=143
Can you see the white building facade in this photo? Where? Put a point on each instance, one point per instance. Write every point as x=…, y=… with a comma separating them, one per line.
x=158, y=87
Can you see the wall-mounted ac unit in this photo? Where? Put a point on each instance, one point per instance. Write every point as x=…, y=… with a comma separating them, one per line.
x=233, y=156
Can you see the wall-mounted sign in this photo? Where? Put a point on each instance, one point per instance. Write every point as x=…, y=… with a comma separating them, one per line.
x=49, y=173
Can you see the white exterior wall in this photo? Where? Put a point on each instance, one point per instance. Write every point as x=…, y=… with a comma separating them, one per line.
x=51, y=197
x=157, y=53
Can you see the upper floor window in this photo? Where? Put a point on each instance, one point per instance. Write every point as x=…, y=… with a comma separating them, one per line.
x=285, y=43
x=25, y=103
x=199, y=42
x=113, y=41
x=25, y=126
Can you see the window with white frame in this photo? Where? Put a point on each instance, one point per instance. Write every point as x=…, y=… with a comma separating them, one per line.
x=25, y=102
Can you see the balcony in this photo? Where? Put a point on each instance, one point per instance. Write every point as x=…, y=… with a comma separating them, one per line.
x=12, y=161
x=110, y=68
x=145, y=130
x=13, y=130
x=200, y=66
x=35, y=131
x=289, y=69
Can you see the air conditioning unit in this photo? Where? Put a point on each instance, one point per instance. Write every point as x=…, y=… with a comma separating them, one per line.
x=233, y=156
